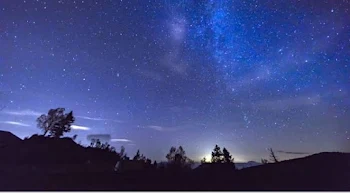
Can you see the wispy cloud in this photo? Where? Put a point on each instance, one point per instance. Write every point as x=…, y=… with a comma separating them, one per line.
x=288, y=103
x=29, y=112
x=23, y=113
x=91, y=118
x=155, y=127
x=121, y=140
x=294, y=153
x=172, y=128
x=98, y=119
x=76, y=127
x=15, y=123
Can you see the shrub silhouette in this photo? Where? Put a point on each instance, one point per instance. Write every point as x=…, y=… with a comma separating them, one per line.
x=264, y=161
x=177, y=159
x=56, y=122
x=142, y=158
x=155, y=164
x=96, y=143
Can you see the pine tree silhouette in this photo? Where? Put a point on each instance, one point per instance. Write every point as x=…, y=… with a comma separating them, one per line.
x=217, y=155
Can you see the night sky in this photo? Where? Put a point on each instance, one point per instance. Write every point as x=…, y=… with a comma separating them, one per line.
x=246, y=75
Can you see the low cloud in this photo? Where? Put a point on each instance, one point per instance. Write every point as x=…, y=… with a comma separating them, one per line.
x=155, y=127
x=32, y=113
x=294, y=153
x=172, y=128
x=121, y=140
x=23, y=113
x=15, y=123
x=107, y=138
x=98, y=119
x=91, y=118
x=77, y=127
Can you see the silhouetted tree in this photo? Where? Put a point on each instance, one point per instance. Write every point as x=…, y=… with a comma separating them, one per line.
x=227, y=156
x=228, y=159
x=204, y=160
x=273, y=156
x=217, y=155
x=177, y=157
x=155, y=164
x=137, y=156
x=74, y=137
x=143, y=158
x=264, y=161
x=96, y=143
x=122, y=154
x=56, y=122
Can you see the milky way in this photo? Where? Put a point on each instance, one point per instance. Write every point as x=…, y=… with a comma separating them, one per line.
x=247, y=75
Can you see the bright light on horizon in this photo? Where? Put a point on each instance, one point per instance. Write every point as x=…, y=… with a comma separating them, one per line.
x=236, y=158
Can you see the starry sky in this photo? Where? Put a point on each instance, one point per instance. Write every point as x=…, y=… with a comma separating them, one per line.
x=148, y=75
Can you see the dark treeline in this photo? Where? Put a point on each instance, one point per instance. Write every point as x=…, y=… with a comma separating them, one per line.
x=50, y=161
x=56, y=123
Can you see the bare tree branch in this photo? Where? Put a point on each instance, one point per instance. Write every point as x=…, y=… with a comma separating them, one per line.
x=273, y=156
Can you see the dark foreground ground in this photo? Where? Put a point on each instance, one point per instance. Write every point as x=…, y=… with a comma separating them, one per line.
x=40, y=163
x=325, y=171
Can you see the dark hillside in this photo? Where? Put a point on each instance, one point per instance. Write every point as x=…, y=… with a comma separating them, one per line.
x=7, y=138
x=42, y=163
x=330, y=171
